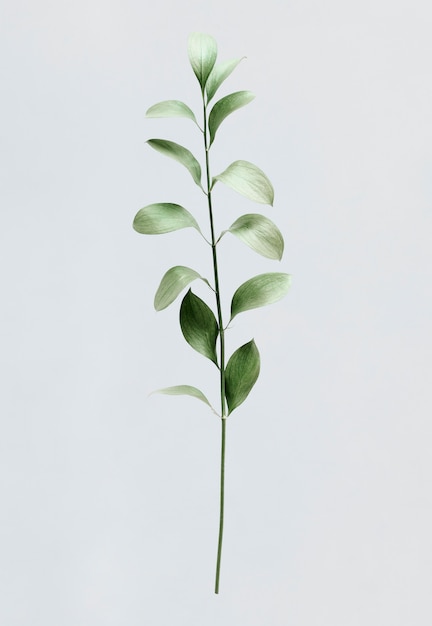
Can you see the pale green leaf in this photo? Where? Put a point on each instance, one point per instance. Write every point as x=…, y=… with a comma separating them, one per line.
x=180, y=154
x=184, y=390
x=163, y=217
x=219, y=73
x=247, y=179
x=260, y=234
x=199, y=326
x=224, y=107
x=241, y=374
x=172, y=283
x=259, y=291
x=202, y=51
x=171, y=108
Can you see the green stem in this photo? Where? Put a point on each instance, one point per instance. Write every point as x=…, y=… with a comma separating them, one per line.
x=221, y=518
x=222, y=349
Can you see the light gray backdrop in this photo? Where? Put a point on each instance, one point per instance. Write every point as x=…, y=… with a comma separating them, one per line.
x=109, y=498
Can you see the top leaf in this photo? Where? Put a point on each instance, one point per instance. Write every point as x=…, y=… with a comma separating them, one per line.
x=219, y=73
x=224, y=107
x=202, y=51
x=171, y=108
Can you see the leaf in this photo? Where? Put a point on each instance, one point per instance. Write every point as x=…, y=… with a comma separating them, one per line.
x=171, y=108
x=172, y=283
x=184, y=390
x=199, y=325
x=241, y=374
x=259, y=291
x=260, y=234
x=180, y=154
x=247, y=179
x=219, y=73
x=202, y=51
x=163, y=217
x=224, y=107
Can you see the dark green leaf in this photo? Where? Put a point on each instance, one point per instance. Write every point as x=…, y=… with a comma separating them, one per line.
x=259, y=291
x=219, y=73
x=199, y=325
x=202, y=51
x=163, y=217
x=171, y=108
x=184, y=390
x=247, y=179
x=224, y=107
x=241, y=374
x=172, y=283
x=180, y=154
x=260, y=234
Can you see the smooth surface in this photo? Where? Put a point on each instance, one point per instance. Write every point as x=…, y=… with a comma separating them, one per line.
x=109, y=498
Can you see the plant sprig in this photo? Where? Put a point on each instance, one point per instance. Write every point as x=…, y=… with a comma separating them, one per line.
x=203, y=328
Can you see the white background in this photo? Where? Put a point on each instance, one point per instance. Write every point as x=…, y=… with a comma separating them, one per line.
x=109, y=498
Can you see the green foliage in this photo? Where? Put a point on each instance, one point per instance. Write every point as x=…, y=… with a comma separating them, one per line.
x=180, y=154
x=219, y=73
x=163, y=217
x=199, y=325
x=224, y=107
x=172, y=283
x=247, y=179
x=202, y=50
x=202, y=328
x=260, y=234
x=171, y=108
x=184, y=390
x=259, y=291
x=241, y=374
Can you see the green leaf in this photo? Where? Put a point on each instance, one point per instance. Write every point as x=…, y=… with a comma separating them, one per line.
x=180, y=154
x=260, y=234
x=241, y=374
x=199, y=325
x=259, y=291
x=184, y=390
x=172, y=283
x=247, y=179
x=171, y=108
x=163, y=217
x=224, y=107
x=219, y=73
x=202, y=51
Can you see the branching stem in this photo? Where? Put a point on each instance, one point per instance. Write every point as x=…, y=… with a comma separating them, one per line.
x=221, y=346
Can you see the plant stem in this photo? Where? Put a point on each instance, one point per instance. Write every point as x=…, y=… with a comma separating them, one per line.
x=222, y=349
x=221, y=518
